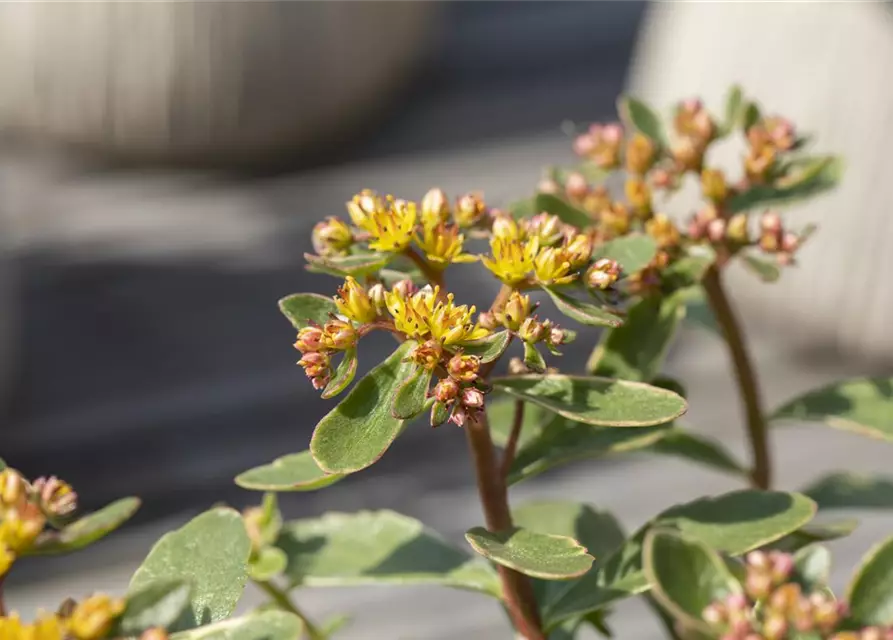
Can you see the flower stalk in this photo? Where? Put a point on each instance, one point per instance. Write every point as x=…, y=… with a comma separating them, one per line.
x=748, y=387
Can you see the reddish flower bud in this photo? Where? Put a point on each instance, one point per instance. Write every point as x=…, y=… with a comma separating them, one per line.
x=446, y=390
x=576, y=186
x=716, y=230
x=472, y=398
x=310, y=338
x=464, y=368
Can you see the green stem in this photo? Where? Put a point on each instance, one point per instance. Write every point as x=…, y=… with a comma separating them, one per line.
x=761, y=475
x=518, y=595
x=281, y=598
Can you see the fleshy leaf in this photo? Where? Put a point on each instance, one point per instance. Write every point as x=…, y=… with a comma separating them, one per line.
x=697, y=311
x=357, y=265
x=266, y=625
x=583, y=312
x=357, y=432
x=378, y=547
x=765, y=269
x=2, y=464
x=157, y=604
x=689, y=270
x=861, y=405
x=525, y=208
x=566, y=212
x=632, y=252
x=344, y=375
x=440, y=413
x=268, y=563
x=589, y=170
x=733, y=523
x=598, y=531
x=294, y=472
x=852, y=491
x=812, y=566
x=685, y=575
x=697, y=448
x=818, y=530
x=85, y=530
x=533, y=358
x=301, y=308
x=538, y=555
x=752, y=115
x=636, y=350
x=812, y=177
x=489, y=348
x=596, y=401
x=870, y=594
x=563, y=441
x=211, y=551
x=412, y=394
x=637, y=114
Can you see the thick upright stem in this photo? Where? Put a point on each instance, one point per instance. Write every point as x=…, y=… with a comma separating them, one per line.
x=761, y=474
x=518, y=591
x=281, y=598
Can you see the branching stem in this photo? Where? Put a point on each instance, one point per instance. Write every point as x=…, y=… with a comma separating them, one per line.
x=748, y=389
x=517, y=590
x=280, y=597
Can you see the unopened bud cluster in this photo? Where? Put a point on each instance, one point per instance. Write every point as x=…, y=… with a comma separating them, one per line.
x=459, y=395
x=25, y=510
x=774, y=607
x=517, y=316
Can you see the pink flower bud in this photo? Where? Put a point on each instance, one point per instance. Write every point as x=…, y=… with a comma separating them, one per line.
x=584, y=145
x=405, y=288
x=790, y=242
x=446, y=390
x=716, y=230
x=472, y=398
x=576, y=186
x=770, y=222
x=612, y=133
x=547, y=185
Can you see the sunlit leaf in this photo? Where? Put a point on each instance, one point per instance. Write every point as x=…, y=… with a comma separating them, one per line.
x=861, y=405
x=86, y=530
x=211, y=552
x=596, y=401
x=812, y=566
x=344, y=375
x=583, y=312
x=294, y=472
x=378, y=547
x=694, y=447
x=538, y=555
x=533, y=358
x=765, y=269
x=632, y=252
x=266, y=625
x=870, y=594
x=819, y=175
x=487, y=349
x=302, y=308
x=566, y=212
x=356, y=265
x=157, y=604
x=639, y=116
x=852, y=491
x=360, y=429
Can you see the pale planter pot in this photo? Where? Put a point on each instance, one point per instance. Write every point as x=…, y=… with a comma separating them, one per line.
x=821, y=65
x=208, y=81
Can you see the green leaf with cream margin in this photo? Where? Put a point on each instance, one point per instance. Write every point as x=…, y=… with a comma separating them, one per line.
x=812, y=176
x=596, y=401
x=294, y=472
x=357, y=432
x=266, y=625
x=583, y=312
x=357, y=265
x=538, y=555
x=158, y=604
x=870, y=594
x=636, y=350
x=567, y=213
x=378, y=547
x=302, y=308
x=851, y=491
x=685, y=575
x=632, y=252
x=487, y=349
x=86, y=530
x=640, y=116
x=211, y=552
x=860, y=405
x=733, y=523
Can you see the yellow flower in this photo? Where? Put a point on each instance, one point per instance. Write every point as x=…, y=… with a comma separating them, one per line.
x=662, y=229
x=435, y=208
x=552, y=266
x=331, y=237
x=639, y=196
x=442, y=245
x=512, y=259
x=423, y=316
x=353, y=302
x=505, y=227
x=578, y=250
x=92, y=619
x=390, y=223
x=470, y=208
x=515, y=312
x=7, y=557
x=20, y=526
x=46, y=627
x=12, y=488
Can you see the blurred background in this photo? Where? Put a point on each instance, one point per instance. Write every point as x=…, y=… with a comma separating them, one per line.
x=161, y=167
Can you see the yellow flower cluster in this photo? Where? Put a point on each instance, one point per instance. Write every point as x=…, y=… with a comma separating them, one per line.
x=530, y=249
x=21, y=521
x=91, y=619
x=425, y=315
x=392, y=224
